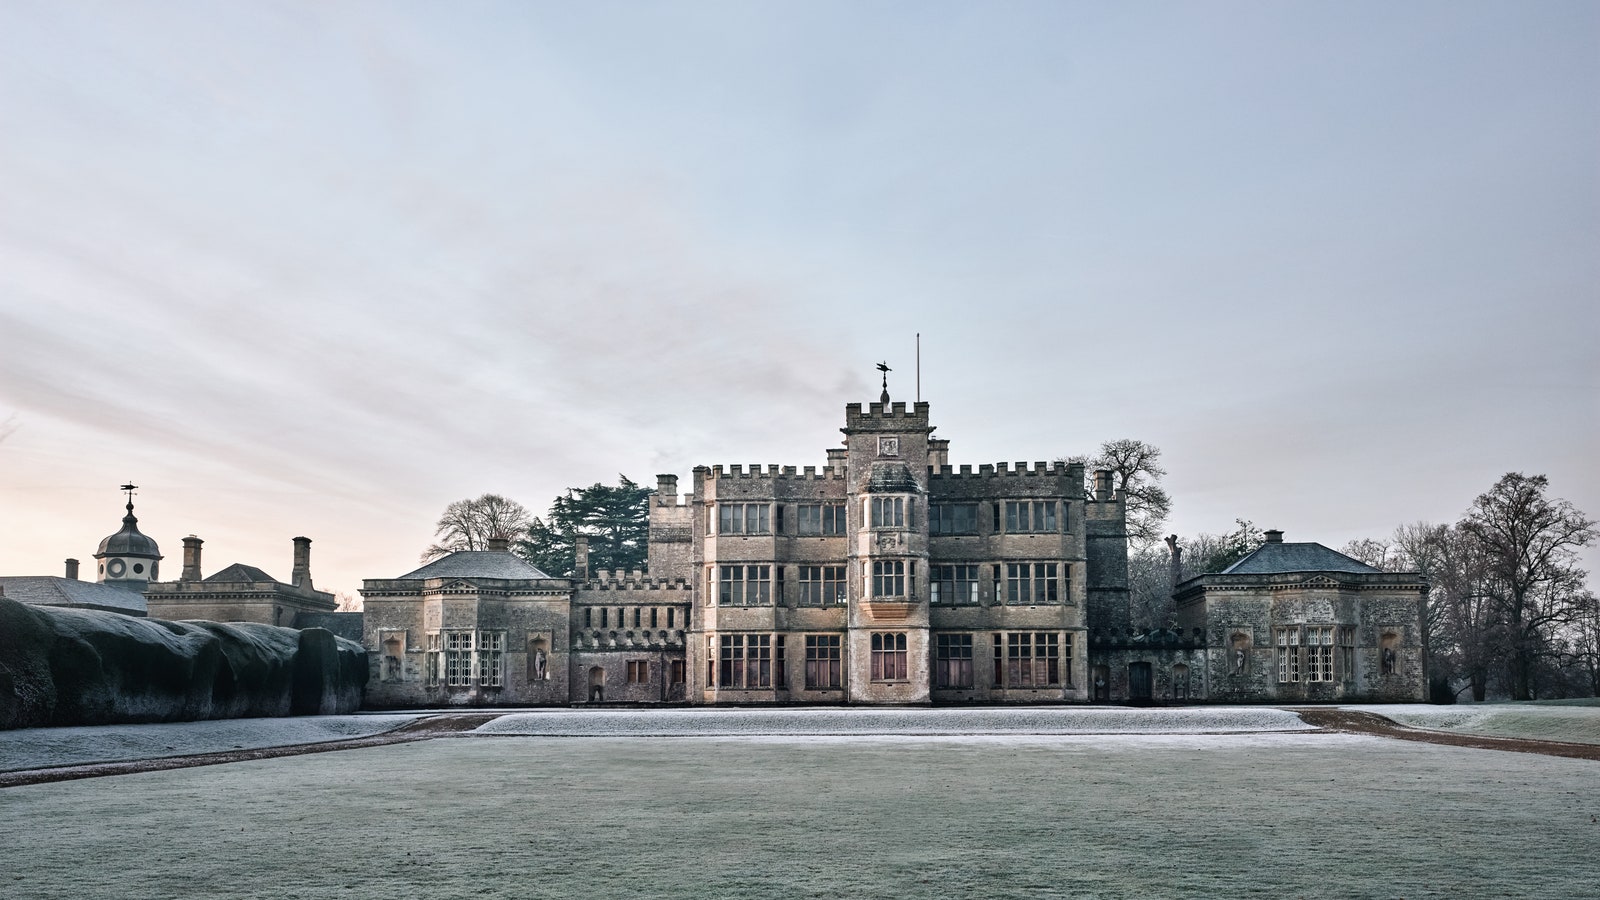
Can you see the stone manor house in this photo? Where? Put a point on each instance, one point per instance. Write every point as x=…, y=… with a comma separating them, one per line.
x=885, y=576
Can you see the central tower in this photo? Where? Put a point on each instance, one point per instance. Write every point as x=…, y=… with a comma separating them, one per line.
x=886, y=451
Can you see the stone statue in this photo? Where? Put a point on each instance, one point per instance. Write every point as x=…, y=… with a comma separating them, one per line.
x=1388, y=660
x=1239, y=660
x=540, y=660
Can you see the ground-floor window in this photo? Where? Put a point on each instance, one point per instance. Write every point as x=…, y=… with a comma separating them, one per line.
x=638, y=671
x=822, y=662
x=1288, y=654
x=465, y=658
x=952, y=660
x=1027, y=659
x=675, y=672
x=889, y=656
x=1319, y=653
x=746, y=661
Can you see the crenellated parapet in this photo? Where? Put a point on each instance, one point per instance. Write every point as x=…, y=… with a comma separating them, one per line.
x=893, y=417
x=632, y=580
x=774, y=472
x=990, y=470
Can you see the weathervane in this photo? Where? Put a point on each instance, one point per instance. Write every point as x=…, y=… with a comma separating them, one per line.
x=128, y=489
x=884, y=368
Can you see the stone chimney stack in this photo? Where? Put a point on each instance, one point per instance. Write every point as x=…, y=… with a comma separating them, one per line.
x=580, y=553
x=836, y=456
x=1102, y=485
x=1274, y=536
x=301, y=578
x=499, y=545
x=666, y=490
x=72, y=570
x=191, y=559
x=938, y=453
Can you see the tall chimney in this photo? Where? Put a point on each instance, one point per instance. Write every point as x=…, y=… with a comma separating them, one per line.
x=1102, y=484
x=1273, y=535
x=580, y=553
x=836, y=456
x=666, y=490
x=499, y=545
x=938, y=453
x=301, y=578
x=72, y=570
x=191, y=559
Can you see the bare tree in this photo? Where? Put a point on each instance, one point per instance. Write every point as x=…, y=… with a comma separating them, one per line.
x=1136, y=473
x=471, y=524
x=1529, y=545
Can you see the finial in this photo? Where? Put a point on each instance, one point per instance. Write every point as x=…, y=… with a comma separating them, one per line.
x=884, y=368
x=129, y=489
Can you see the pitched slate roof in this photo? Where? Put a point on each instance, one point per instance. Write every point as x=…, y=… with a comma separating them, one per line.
x=342, y=624
x=475, y=563
x=239, y=572
x=53, y=590
x=1273, y=558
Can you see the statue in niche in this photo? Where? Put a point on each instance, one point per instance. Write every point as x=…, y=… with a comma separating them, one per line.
x=541, y=662
x=1239, y=660
x=1388, y=660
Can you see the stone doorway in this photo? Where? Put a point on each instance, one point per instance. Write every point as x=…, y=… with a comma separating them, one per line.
x=597, y=685
x=1139, y=682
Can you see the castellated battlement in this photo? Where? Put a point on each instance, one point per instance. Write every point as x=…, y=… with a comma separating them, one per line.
x=987, y=470
x=634, y=579
x=812, y=473
x=891, y=417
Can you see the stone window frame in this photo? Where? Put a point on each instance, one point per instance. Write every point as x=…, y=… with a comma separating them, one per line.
x=890, y=661
x=1023, y=658
x=745, y=661
x=465, y=657
x=738, y=583
x=890, y=578
x=822, y=519
x=1286, y=640
x=888, y=512
x=943, y=518
x=638, y=671
x=1318, y=642
x=1030, y=516
x=824, y=662
x=948, y=587
x=823, y=584
x=952, y=661
x=1030, y=582
x=744, y=518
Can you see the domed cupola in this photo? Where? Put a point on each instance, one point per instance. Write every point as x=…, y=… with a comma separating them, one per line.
x=128, y=558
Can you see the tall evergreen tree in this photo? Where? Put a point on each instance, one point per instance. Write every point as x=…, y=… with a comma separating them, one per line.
x=615, y=519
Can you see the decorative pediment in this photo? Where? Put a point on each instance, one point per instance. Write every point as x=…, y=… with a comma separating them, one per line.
x=459, y=585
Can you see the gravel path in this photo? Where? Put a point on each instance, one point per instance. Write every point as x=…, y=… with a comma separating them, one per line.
x=1354, y=722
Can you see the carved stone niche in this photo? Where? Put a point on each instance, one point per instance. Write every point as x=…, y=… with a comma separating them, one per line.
x=1239, y=646
x=538, y=656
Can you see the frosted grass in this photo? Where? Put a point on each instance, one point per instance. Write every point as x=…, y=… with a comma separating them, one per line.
x=1574, y=722
x=37, y=748
x=1179, y=815
x=858, y=721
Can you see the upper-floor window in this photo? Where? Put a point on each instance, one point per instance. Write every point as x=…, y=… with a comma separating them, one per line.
x=821, y=518
x=888, y=578
x=744, y=518
x=953, y=584
x=1032, y=583
x=1030, y=516
x=888, y=512
x=821, y=585
x=953, y=518
x=744, y=585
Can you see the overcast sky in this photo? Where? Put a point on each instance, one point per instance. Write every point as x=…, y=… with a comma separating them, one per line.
x=321, y=268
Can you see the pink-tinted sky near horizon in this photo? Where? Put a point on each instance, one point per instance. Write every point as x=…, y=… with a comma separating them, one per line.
x=304, y=268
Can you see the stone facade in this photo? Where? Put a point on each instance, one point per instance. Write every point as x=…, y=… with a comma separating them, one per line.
x=887, y=576
x=239, y=593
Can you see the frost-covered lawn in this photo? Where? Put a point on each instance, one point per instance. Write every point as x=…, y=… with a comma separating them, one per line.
x=33, y=748
x=1237, y=815
x=859, y=721
x=1578, y=722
